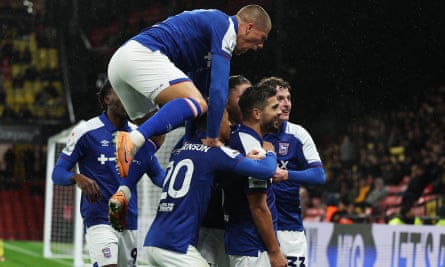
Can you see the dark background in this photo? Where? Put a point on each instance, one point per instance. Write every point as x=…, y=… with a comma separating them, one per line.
x=343, y=59
x=354, y=57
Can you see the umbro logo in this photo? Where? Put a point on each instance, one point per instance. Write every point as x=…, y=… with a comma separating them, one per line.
x=104, y=143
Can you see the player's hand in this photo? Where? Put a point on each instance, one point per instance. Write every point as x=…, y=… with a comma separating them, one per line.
x=117, y=211
x=212, y=142
x=255, y=154
x=280, y=175
x=268, y=146
x=89, y=187
x=277, y=259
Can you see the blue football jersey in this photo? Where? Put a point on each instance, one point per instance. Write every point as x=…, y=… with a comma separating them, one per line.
x=200, y=43
x=295, y=151
x=187, y=191
x=242, y=237
x=90, y=144
x=191, y=37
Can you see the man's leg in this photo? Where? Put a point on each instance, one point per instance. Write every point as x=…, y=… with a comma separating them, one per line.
x=179, y=103
x=141, y=84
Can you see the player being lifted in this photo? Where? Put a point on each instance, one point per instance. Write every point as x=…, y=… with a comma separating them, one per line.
x=160, y=66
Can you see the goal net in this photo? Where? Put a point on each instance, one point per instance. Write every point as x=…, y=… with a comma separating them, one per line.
x=63, y=235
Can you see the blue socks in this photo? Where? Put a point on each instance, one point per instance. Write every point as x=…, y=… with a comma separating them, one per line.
x=139, y=164
x=170, y=116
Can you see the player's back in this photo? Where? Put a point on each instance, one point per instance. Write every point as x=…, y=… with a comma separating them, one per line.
x=189, y=37
x=186, y=194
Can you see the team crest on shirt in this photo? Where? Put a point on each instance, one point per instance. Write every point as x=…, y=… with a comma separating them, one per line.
x=106, y=252
x=283, y=148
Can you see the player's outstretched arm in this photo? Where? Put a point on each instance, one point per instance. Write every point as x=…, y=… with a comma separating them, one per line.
x=237, y=163
x=310, y=176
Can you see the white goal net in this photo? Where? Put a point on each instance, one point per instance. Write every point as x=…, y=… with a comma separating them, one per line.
x=63, y=227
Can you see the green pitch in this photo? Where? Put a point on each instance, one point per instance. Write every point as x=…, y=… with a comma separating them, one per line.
x=29, y=253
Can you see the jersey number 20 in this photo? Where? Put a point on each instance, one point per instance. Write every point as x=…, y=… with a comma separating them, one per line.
x=172, y=175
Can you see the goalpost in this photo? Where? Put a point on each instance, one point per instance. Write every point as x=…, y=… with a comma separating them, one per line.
x=63, y=233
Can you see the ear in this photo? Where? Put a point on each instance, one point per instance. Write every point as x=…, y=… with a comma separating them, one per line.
x=107, y=99
x=249, y=27
x=256, y=113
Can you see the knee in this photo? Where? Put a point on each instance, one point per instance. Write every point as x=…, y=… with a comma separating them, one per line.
x=204, y=106
x=202, y=103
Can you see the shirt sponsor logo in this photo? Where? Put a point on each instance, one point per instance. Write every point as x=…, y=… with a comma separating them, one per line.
x=103, y=159
x=166, y=207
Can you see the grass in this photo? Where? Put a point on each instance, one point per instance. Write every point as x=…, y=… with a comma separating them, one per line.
x=29, y=253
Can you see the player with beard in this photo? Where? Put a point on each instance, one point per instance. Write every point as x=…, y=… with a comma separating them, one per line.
x=249, y=203
x=299, y=164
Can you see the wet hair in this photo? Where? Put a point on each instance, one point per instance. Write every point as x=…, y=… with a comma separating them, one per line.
x=255, y=14
x=275, y=82
x=104, y=90
x=255, y=97
x=236, y=80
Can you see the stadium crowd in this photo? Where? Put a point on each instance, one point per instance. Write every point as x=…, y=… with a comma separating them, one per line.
x=401, y=147
x=30, y=77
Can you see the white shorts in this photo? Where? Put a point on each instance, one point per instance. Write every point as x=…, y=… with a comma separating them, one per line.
x=249, y=261
x=211, y=247
x=293, y=245
x=138, y=75
x=108, y=246
x=166, y=258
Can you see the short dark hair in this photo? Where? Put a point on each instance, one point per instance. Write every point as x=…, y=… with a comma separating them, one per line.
x=236, y=80
x=104, y=90
x=275, y=82
x=255, y=97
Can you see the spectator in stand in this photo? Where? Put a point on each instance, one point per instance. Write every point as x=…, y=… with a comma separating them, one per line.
x=364, y=188
x=406, y=215
x=348, y=152
x=377, y=193
x=344, y=213
x=441, y=214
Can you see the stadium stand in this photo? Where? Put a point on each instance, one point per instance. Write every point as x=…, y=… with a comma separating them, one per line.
x=387, y=144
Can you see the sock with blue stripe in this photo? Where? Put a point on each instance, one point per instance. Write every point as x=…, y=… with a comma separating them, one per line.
x=170, y=116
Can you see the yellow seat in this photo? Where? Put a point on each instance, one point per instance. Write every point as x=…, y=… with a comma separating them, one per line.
x=16, y=70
